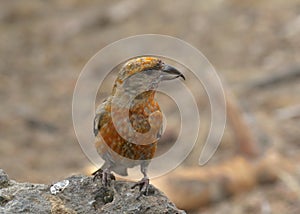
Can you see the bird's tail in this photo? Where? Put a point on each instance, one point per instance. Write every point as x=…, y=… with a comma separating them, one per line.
x=121, y=170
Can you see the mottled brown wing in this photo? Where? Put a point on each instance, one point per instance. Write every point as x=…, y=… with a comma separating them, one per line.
x=98, y=120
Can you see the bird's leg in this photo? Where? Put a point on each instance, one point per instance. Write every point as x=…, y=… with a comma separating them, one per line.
x=105, y=176
x=144, y=183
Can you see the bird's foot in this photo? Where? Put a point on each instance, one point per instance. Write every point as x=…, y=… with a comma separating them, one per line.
x=143, y=185
x=105, y=176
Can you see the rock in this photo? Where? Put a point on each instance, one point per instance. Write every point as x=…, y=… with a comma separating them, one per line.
x=80, y=194
x=4, y=180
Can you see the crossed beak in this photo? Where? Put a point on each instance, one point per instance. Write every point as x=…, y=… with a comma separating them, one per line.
x=170, y=73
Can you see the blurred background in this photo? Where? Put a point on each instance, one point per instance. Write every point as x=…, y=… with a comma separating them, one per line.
x=253, y=45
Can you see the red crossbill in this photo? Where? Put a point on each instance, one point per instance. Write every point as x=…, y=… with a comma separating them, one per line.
x=128, y=123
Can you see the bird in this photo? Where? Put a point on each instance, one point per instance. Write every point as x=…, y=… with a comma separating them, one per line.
x=128, y=124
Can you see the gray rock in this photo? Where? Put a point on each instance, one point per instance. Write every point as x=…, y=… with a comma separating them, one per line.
x=4, y=180
x=80, y=194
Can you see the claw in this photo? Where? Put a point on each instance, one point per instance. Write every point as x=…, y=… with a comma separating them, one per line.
x=143, y=186
x=105, y=176
x=97, y=174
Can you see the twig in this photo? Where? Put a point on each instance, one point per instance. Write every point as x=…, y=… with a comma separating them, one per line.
x=247, y=144
x=284, y=75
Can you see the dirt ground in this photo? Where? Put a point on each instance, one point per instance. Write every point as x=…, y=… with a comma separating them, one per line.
x=45, y=44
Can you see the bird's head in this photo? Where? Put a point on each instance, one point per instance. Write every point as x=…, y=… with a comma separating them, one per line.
x=144, y=74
